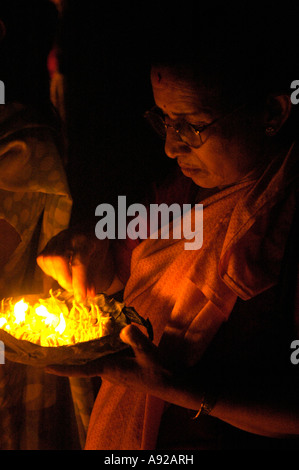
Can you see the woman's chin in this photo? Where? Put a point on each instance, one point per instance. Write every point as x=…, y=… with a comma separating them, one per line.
x=205, y=180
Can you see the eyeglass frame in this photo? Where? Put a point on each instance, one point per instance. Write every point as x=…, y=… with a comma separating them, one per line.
x=193, y=128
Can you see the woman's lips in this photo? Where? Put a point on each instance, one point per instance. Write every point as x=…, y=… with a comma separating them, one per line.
x=190, y=171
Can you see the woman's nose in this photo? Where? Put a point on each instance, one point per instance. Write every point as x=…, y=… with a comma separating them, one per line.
x=174, y=146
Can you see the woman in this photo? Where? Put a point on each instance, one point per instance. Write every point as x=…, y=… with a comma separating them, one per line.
x=223, y=321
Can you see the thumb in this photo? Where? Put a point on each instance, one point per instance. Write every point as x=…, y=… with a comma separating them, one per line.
x=141, y=345
x=79, y=278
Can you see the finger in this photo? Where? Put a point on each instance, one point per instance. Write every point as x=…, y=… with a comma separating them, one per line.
x=43, y=263
x=58, y=268
x=79, y=279
x=90, y=369
x=83, y=252
x=141, y=345
x=133, y=336
x=67, y=371
x=91, y=291
x=62, y=272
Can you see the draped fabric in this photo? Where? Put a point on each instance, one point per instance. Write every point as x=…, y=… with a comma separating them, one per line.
x=189, y=295
x=36, y=410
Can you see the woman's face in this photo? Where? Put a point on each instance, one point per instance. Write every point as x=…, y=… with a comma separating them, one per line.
x=230, y=150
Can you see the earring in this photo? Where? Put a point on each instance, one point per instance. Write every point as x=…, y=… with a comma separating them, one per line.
x=270, y=131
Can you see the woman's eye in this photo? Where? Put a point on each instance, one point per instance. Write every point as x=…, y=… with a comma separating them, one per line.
x=198, y=127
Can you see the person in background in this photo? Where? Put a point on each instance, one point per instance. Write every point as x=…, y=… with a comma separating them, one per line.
x=35, y=205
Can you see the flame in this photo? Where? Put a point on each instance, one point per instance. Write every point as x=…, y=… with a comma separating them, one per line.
x=61, y=325
x=49, y=318
x=20, y=309
x=50, y=322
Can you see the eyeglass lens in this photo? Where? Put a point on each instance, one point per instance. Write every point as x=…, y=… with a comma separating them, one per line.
x=185, y=131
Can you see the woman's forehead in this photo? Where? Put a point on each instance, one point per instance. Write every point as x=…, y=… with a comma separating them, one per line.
x=176, y=77
x=178, y=89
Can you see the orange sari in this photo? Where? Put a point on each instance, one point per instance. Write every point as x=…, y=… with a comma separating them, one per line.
x=189, y=295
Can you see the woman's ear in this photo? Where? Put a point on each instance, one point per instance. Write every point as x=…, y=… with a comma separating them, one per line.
x=278, y=110
x=2, y=30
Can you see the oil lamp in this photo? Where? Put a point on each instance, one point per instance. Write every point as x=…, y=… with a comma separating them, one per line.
x=57, y=329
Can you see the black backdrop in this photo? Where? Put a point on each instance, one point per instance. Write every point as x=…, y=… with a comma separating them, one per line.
x=112, y=151
x=105, y=59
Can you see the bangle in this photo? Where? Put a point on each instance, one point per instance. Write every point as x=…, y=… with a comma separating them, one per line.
x=206, y=406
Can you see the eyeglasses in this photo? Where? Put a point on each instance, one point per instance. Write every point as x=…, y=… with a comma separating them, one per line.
x=188, y=133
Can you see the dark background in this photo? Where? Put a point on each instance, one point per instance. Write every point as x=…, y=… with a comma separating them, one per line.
x=105, y=59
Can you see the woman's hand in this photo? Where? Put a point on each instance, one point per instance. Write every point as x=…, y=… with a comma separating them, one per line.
x=79, y=262
x=143, y=370
x=252, y=408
